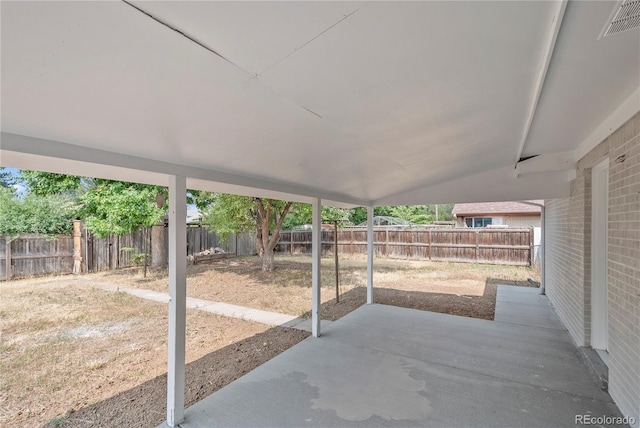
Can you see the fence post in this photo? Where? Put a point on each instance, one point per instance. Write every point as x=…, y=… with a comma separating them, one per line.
x=291, y=239
x=89, y=250
x=430, y=247
x=531, y=246
x=351, y=243
x=411, y=247
x=77, y=247
x=118, y=252
x=386, y=244
x=7, y=253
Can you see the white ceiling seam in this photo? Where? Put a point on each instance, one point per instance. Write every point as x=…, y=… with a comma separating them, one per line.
x=548, y=55
x=310, y=40
x=253, y=75
x=183, y=34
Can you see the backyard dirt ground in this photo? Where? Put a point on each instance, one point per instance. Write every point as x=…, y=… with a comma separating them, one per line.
x=454, y=288
x=74, y=355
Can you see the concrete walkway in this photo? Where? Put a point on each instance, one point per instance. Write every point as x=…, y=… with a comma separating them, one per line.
x=218, y=308
x=387, y=366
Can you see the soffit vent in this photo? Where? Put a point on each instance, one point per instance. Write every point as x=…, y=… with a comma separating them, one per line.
x=625, y=16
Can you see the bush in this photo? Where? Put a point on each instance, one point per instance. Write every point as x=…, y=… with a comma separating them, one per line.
x=50, y=215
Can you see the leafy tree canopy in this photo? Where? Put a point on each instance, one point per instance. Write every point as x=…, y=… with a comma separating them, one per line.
x=48, y=183
x=6, y=179
x=417, y=214
x=302, y=214
x=35, y=214
x=230, y=214
x=106, y=206
x=116, y=207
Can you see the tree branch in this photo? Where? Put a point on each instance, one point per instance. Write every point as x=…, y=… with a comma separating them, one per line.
x=275, y=237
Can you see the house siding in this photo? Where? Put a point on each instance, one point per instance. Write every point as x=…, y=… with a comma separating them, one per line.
x=568, y=260
x=522, y=221
x=513, y=221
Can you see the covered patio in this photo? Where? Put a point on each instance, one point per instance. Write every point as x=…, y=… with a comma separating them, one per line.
x=388, y=366
x=343, y=104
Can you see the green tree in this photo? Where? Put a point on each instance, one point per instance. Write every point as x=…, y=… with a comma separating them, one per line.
x=50, y=215
x=229, y=214
x=117, y=207
x=416, y=214
x=444, y=212
x=48, y=183
x=6, y=179
x=301, y=214
x=358, y=215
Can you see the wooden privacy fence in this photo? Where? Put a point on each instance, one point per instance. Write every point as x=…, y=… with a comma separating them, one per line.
x=33, y=255
x=29, y=255
x=114, y=252
x=488, y=246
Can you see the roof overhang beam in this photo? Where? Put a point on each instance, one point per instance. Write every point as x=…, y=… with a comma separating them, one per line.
x=24, y=152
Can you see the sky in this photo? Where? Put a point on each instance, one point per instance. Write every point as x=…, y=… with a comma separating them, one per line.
x=20, y=188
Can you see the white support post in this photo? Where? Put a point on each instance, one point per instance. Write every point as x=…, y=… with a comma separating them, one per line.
x=542, y=250
x=369, y=255
x=178, y=299
x=316, y=245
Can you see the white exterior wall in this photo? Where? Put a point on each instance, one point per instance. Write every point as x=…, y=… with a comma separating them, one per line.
x=512, y=221
x=522, y=221
x=568, y=260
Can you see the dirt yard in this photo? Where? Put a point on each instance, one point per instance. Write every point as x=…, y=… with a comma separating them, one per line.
x=73, y=355
x=454, y=288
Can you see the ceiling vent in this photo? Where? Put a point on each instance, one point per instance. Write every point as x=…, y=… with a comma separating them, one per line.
x=625, y=16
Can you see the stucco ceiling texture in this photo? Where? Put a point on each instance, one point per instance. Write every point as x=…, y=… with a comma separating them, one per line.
x=360, y=102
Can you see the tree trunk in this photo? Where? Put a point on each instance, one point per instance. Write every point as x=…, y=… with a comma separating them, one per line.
x=158, y=247
x=266, y=244
x=268, y=261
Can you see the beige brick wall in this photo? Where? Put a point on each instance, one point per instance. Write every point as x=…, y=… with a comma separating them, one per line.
x=568, y=260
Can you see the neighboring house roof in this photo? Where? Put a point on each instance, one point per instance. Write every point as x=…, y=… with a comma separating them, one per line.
x=484, y=208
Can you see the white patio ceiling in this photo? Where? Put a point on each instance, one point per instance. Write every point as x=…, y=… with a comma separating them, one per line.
x=358, y=103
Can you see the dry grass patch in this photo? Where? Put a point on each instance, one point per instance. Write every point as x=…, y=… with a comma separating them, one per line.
x=65, y=345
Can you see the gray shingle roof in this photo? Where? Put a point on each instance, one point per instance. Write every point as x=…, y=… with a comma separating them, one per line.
x=496, y=208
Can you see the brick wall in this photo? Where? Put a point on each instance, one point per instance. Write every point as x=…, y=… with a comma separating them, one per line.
x=568, y=259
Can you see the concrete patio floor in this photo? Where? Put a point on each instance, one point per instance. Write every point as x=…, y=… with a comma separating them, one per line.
x=390, y=366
